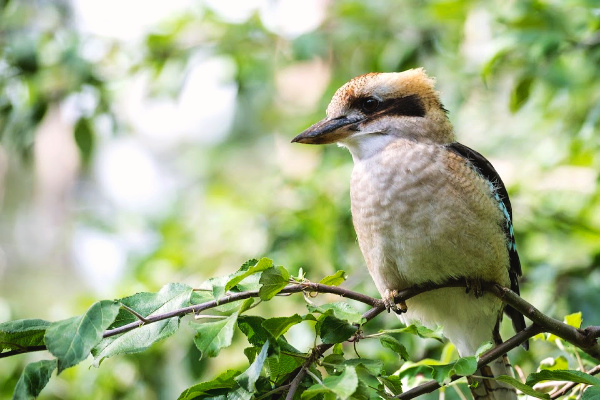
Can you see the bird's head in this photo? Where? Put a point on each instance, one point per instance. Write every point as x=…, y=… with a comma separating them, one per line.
x=374, y=109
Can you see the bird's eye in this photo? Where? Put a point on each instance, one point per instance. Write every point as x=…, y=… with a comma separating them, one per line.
x=369, y=104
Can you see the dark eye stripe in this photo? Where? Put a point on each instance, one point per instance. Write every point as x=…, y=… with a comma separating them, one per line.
x=410, y=106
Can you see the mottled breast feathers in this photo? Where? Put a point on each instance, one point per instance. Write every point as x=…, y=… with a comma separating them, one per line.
x=487, y=171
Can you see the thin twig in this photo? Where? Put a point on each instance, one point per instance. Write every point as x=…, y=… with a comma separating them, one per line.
x=459, y=392
x=312, y=375
x=278, y=389
x=318, y=351
x=565, y=389
x=302, y=287
x=137, y=314
x=23, y=350
x=206, y=316
x=486, y=358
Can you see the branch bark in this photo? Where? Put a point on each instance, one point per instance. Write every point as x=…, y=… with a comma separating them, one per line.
x=486, y=358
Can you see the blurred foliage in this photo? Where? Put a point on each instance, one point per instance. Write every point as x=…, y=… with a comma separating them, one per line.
x=521, y=81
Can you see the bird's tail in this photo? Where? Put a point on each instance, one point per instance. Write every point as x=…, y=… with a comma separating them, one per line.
x=487, y=388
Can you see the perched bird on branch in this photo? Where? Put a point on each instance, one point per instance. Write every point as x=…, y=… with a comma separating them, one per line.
x=426, y=209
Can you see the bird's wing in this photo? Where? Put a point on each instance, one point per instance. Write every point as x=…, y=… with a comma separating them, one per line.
x=487, y=171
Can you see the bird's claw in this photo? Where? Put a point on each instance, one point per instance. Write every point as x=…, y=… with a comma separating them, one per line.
x=390, y=303
x=475, y=286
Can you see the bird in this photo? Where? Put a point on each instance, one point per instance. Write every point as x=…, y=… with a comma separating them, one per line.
x=426, y=209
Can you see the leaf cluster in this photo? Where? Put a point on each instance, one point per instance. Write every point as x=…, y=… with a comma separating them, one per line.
x=276, y=367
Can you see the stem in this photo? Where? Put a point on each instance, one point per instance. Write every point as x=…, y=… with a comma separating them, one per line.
x=319, y=350
x=486, y=358
x=132, y=311
x=565, y=389
x=301, y=287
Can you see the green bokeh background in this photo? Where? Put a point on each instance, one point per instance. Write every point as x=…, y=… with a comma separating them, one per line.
x=521, y=80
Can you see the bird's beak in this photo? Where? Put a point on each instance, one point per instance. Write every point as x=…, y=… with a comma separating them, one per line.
x=329, y=130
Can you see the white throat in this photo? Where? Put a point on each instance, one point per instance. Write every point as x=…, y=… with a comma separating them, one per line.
x=363, y=146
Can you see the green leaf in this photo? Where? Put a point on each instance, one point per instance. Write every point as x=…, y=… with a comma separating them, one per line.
x=338, y=348
x=336, y=363
x=259, y=266
x=219, y=285
x=463, y=366
x=280, y=325
x=342, y=386
x=272, y=281
x=483, y=348
x=528, y=390
x=246, y=305
x=520, y=93
x=211, y=337
x=393, y=344
x=333, y=330
x=71, y=340
x=574, y=320
x=246, y=381
x=562, y=375
x=422, y=367
x=335, y=279
x=251, y=326
x=419, y=330
x=84, y=138
x=552, y=364
x=201, y=296
x=279, y=366
x=591, y=393
x=34, y=378
x=22, y=333
x=373, y=367
x=393, y=383
x=171, y=297
x=340, y=310
x=226, y=380
x=540, y=336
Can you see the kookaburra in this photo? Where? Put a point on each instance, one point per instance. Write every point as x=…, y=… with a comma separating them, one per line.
x=426, y=209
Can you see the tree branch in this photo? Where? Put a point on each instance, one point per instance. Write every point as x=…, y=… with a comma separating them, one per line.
x=197, y=308
x=486, y=358
x=318, y=351
x=300, y=287
x=585, y=339
x=565, y=389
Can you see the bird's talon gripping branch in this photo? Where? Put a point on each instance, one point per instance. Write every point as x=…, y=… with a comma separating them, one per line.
x=391, y=304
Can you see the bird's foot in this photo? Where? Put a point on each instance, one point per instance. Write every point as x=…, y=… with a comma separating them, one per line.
x=390, y=303
x=475, y=286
